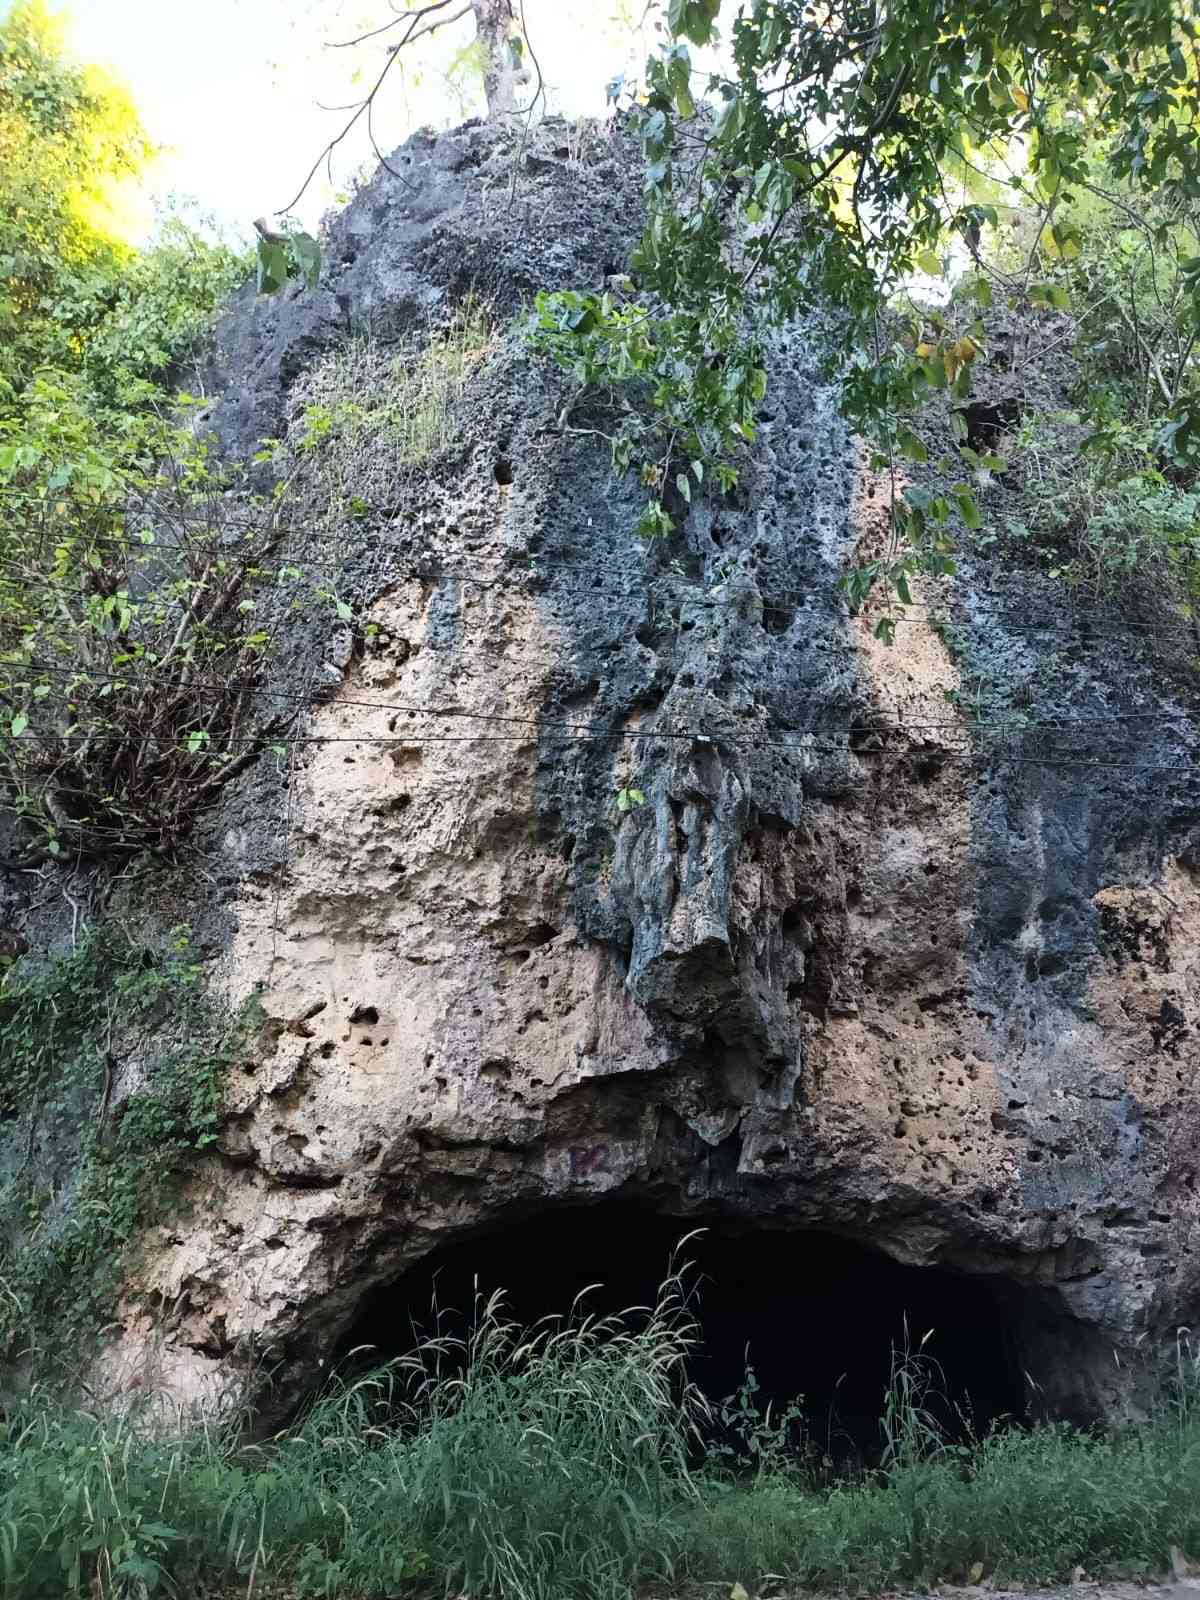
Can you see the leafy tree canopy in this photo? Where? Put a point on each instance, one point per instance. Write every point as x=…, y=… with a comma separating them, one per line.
x=820, y=176
x=69, y=141
x=123, y=610
x=89, y=327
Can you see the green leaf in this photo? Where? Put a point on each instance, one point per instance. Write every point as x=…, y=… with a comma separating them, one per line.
x=929, y=261
x=272, y=266
x=1066, y=240
x=729, y=122
x=18, y=725
x=1051, y=295
x=909, y=445
x=967, y=507
x=679, y=73
x=308, y=257
x=693, y=19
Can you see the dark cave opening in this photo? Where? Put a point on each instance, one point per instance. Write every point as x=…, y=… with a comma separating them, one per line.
x=816, y=1316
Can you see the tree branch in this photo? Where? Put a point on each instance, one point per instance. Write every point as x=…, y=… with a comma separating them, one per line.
x=363, y=107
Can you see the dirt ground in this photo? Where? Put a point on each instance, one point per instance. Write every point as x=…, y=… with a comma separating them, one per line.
x=1172, y=1589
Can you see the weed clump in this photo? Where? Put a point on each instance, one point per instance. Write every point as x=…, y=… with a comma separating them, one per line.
x=569, y=1461
x=368, y=412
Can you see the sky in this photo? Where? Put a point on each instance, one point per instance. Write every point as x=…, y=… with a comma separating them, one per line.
x=231, y=87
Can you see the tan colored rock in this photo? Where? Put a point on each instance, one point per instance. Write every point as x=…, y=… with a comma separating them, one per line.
x=854, y=966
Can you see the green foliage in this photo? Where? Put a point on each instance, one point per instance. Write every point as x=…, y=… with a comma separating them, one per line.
x=1133, y=275
x=566, y=1462
x=365, y=413
x=823, y=178
x=67, y=140
x=1105, y=519
x=748, y=1436
x=73, y=296
x=534, y=1466
x=133, y=630
x=146, y=323
x=1103, y=494
x=1019, y=1507
x=704, y=391
x=115, y=655
x=71, y=1029
x=287, y=255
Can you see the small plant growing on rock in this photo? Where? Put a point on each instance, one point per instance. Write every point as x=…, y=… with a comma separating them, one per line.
x=75, y=1030
x=367, y=413
x=133, y=631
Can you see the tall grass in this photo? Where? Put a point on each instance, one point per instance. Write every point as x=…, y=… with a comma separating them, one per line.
x=566, y=1462
x=1020, y=1505
x=533, y=1465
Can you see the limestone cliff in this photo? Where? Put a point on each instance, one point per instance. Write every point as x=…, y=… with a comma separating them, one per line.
x=852, y=966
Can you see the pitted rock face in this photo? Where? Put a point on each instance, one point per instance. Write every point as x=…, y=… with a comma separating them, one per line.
x=844, y=969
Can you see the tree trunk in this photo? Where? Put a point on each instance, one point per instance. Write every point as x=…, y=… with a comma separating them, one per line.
x=505, y=50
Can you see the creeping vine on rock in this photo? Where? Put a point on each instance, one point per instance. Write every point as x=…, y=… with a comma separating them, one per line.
x=112, y=1084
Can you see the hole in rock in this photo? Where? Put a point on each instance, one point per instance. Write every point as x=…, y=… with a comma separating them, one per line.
x=504, y=472
x=988, y=420
x=816, y=1316
x=777, y=619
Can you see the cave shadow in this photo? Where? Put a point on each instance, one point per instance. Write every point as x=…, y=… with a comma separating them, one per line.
x=819, y=1318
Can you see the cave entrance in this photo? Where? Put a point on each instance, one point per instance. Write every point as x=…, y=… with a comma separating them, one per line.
x=817, y=1316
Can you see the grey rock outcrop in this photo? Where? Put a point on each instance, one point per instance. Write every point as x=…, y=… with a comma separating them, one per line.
x=847, y=968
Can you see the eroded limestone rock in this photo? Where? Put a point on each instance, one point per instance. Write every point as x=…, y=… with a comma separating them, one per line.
x=844, y=969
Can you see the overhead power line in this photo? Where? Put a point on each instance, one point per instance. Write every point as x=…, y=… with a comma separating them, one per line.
x=235, y=688
x=1053, y=759
x=1099, y=624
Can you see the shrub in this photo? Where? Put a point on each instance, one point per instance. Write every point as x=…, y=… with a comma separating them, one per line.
x=1109, y=520
x=133, y=632
x=367, y=413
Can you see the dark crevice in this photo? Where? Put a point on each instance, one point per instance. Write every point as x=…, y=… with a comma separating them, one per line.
x=988, y=420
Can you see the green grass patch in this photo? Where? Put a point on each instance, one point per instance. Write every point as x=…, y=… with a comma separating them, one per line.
x=567, y=1462
x=368, y=413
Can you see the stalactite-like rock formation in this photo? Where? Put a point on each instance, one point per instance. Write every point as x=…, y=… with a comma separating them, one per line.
x=848, y=970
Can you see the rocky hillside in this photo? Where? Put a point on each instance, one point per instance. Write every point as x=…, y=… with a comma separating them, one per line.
x=599, y=872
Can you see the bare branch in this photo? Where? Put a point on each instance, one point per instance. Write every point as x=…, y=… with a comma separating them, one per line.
x=405, y=16
x=363, y=107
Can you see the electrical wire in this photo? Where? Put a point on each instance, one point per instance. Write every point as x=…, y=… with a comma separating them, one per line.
x=236, y=687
